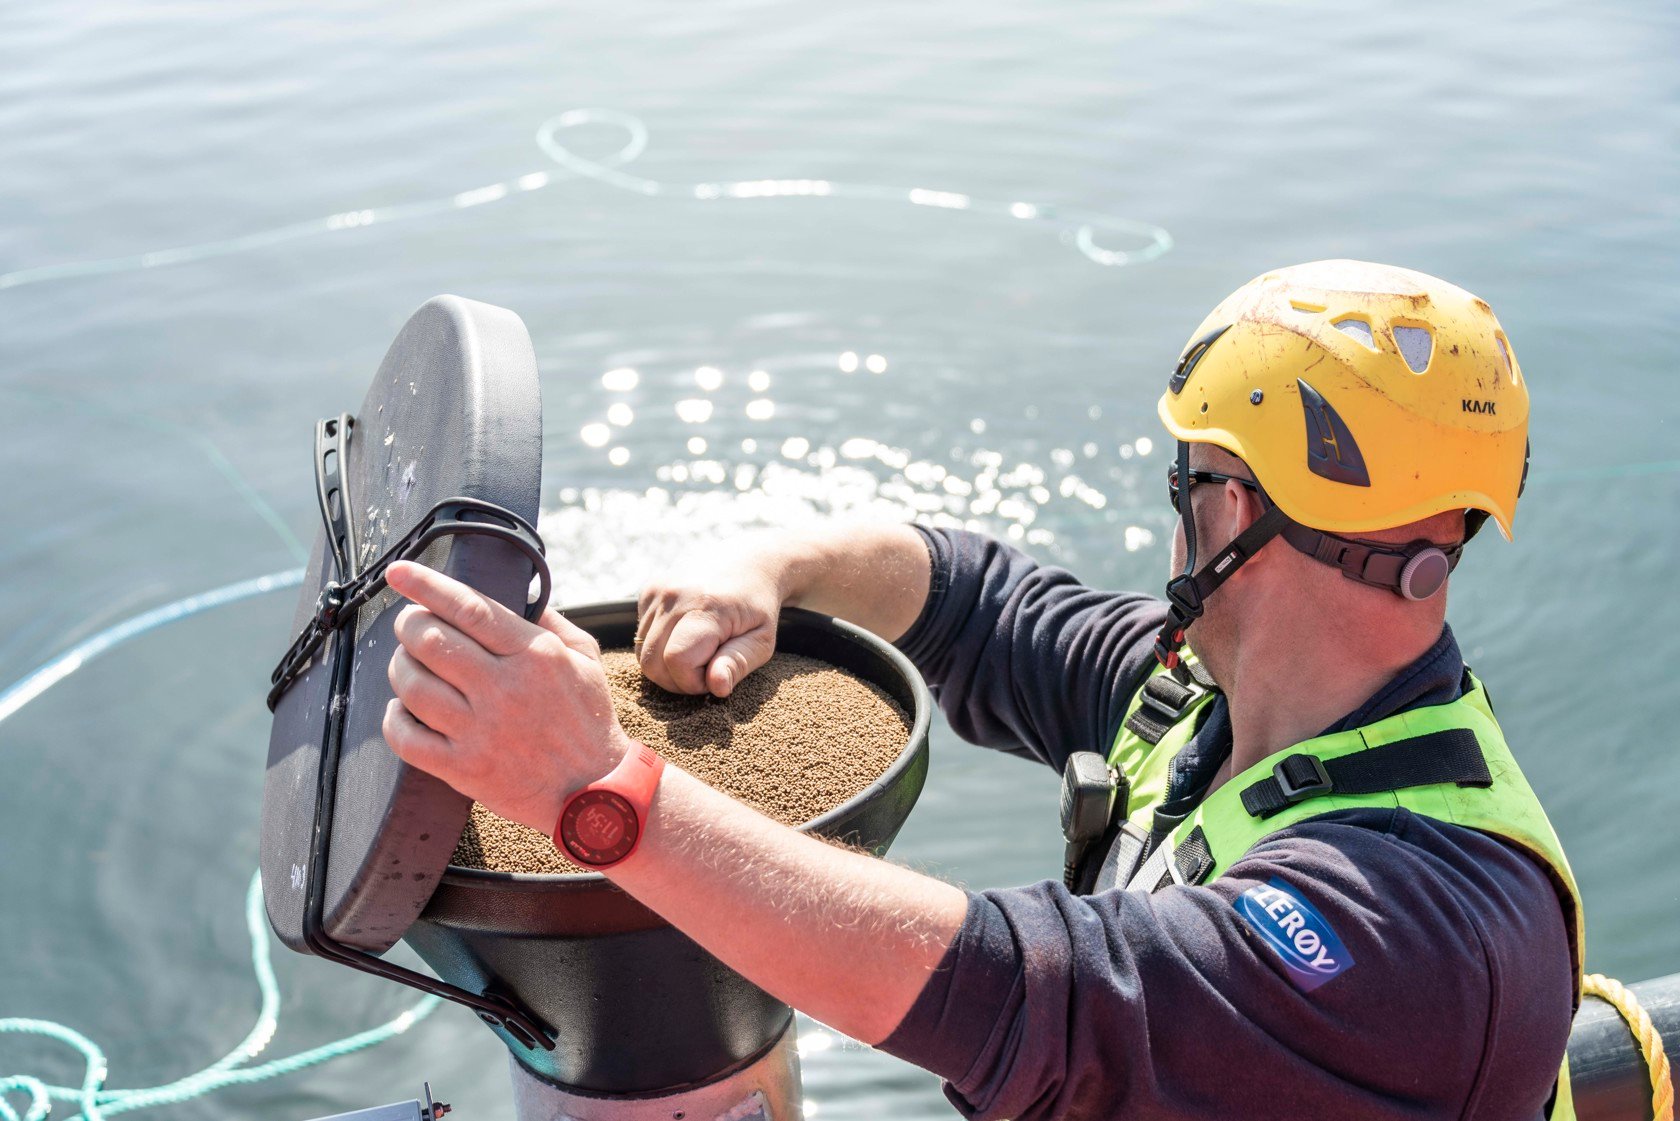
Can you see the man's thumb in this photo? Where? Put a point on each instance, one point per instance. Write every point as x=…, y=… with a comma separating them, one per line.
x=737, y=658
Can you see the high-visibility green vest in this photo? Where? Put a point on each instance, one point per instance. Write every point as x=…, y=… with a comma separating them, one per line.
x=1221, y=829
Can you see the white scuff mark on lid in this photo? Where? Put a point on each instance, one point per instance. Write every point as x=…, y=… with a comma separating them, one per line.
x=754, y=1108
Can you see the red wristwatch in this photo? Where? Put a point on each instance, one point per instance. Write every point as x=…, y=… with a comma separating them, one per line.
x=601, y=824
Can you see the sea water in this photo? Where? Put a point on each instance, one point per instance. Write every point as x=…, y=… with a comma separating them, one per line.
x=901, y=260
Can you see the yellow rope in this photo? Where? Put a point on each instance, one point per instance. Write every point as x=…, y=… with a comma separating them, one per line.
x=1616, y=995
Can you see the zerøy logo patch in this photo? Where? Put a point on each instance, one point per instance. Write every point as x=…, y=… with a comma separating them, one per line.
x=1311, y=952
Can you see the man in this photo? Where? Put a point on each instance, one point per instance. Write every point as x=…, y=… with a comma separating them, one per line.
x=1318, y=884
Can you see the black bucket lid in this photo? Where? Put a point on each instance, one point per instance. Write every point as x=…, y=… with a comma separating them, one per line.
x=455, y=411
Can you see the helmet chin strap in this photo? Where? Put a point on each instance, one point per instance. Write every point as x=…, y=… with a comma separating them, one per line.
x=1415, y=572
x=1189, y=590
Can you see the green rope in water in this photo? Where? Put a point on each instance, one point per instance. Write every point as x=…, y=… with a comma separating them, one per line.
x=1078, y=229
x=96, y=1102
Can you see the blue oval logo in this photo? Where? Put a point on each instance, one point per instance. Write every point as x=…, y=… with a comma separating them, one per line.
x=1293, y=928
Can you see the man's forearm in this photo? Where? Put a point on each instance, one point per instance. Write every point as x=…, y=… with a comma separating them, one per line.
x=840, y=935
x=876, y=576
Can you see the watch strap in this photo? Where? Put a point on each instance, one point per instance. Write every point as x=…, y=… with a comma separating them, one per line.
x=602, y=824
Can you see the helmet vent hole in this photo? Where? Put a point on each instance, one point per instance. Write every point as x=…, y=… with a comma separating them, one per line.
x=1505, y=352
x=1358, y=329
x=1416, y=344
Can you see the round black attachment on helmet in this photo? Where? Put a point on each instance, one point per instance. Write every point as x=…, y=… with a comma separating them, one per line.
x=1415, y=572
x=1424, y=573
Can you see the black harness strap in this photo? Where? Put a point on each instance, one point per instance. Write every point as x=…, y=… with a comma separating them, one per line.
x=1200, y=675
x=1166, y=697
x=342, y=598
x=1161, y=704
x=1193, y=858
x=1450, y=755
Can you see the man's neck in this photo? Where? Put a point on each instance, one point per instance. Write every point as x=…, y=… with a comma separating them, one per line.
x=1286, y=692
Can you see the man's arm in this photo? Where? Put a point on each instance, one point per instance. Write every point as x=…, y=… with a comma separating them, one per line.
x=840, y=935
x=517, y=716
x=1020, y=656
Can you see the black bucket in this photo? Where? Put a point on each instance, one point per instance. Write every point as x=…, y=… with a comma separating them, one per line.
x=443, y=462
x=638, y=1007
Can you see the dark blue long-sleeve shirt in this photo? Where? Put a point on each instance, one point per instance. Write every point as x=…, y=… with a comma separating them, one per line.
x=1455, y=1004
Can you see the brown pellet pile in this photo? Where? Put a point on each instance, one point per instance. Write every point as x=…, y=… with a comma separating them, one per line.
x=795, y=739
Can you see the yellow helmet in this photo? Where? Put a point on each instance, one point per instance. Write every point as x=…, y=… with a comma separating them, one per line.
x=1363, y=396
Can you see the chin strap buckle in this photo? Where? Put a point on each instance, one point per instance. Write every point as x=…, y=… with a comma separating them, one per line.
x=1186, y=596
x=1168, y=642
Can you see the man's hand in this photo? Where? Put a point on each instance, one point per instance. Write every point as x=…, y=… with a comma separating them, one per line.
x=705, y=630
x=513, y=714
x=711, y=620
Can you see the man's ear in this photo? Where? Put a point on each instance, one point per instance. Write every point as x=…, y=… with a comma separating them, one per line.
x=1241, y=507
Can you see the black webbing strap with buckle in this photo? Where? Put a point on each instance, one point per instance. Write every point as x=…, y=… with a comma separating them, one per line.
x=1165, y=698
x=1450, y=755
x=336, y=611
x=1193, y=859
x=341, y=598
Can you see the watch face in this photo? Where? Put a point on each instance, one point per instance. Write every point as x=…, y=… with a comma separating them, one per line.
x=599, y=827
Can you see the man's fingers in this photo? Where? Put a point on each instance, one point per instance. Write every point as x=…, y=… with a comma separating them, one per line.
x=692, y=642
x=441, y=648
x=415, y=743
x=654, y=630
x=427, y=696
x=571, y=634
x=737, y=658
x=470, y=611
